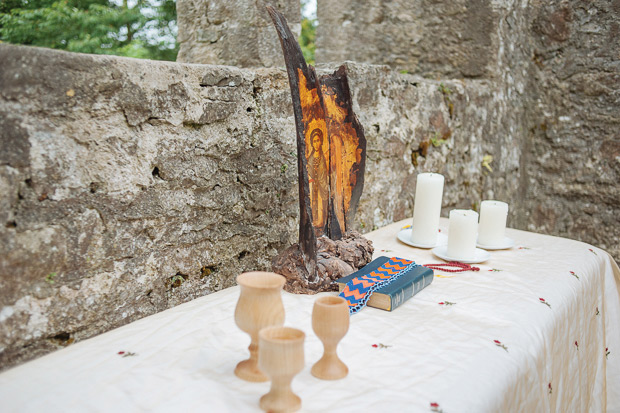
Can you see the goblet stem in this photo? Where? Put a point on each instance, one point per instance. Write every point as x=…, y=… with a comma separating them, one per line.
x=253, y=347
x=248, y=369
x=330, y=367
x=280, y=398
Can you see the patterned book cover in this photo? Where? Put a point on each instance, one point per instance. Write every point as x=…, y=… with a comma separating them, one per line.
x=396, y=293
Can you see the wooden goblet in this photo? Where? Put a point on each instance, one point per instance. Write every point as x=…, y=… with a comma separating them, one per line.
x=281, y=357
x=260, y=305
x=330, y=322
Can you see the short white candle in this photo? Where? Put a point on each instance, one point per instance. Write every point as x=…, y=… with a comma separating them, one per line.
x=427, y=209
x=462, y=234
x=492, y=229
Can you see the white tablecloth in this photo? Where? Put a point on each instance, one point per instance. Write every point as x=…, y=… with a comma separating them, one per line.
x=553, y=358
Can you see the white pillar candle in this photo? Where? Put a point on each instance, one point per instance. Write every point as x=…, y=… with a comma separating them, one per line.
x=427, y=209
x=462, y=234
x=492, y=229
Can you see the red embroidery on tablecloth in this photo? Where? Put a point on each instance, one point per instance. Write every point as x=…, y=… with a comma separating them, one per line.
x=550, y=388
x=126, y=353
x=592, y=251
x=597, y=312
x=577, y=344
x=499, y=344
x=435, y=408
x=495, y=270
x=543, y=301
x=607, y=352
x=446, y=303
x=573, y=274
x=380, y=345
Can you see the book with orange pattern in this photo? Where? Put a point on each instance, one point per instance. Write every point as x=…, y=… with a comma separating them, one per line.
x=397, y=292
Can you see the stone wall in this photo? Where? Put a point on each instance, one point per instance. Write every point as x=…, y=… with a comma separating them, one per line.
x=573, y=142
x=451, y=39
x=130, y=186
x=553, y=68
x=233, y=32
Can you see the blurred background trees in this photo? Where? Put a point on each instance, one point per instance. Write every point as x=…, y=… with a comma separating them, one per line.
x=143, y=28
x=135, y=28
x=308, y=29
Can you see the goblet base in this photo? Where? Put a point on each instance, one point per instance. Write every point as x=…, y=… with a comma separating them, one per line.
x=280, y=403
x=248, y=370
x=329, y=369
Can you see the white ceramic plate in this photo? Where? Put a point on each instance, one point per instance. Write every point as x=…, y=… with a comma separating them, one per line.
x=480, y=255
x=404, y=235
x=507, y=243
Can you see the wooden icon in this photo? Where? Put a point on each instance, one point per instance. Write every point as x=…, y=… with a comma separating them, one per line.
x=330, y=322
x=331, y=159
x=260, y=305
x=281, y=357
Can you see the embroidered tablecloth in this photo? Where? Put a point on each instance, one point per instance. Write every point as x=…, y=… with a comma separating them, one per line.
x=537, y=329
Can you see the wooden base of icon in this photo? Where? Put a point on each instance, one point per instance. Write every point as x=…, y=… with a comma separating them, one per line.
x=335, y=259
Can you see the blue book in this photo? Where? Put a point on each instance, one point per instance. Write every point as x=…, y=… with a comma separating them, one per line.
x=397, y=292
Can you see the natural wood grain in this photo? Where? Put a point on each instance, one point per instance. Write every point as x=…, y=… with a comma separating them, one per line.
x=281, y=358
x=332, y=139
x=295, y=63
x=330, y=322
x=347, y=152
x=331, y=156
x=260, y=305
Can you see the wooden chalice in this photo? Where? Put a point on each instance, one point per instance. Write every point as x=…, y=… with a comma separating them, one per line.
x=260, y=305
x=330, y=322
x=281, y=357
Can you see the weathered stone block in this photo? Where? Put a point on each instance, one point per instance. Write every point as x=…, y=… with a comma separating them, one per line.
x=130, y=186
x=572, y=144
x=236, y=33
x=451, y=39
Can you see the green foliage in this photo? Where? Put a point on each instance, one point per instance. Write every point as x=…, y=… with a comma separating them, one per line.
x=146, y=29
x=49, y=278
x=486, y=162
x=308, y=35
x=307, y=39
x=444, y=89
x=436, y=141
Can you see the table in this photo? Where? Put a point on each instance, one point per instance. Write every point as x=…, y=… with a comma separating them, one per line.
x=560, y=356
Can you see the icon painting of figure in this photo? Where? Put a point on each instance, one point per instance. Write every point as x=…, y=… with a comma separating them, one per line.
x=318, y=180
x=331, y=157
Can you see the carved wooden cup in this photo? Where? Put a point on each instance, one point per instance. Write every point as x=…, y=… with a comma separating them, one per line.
x=260, y=305
x=281, y=357
x=330, y=322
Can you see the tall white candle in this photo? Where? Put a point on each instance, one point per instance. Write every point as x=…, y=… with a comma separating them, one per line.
x=462, y=234
x=492, y=229
x=427, y=209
